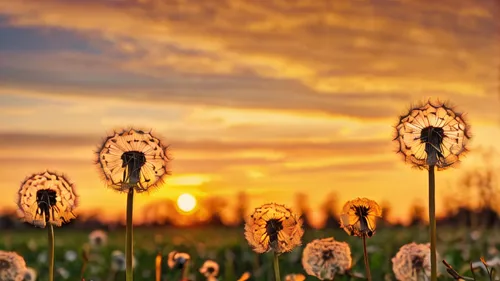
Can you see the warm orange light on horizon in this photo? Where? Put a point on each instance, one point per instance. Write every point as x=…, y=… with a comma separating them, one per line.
x=186, y=202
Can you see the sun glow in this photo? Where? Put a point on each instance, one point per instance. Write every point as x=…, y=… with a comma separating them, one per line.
x=186, y=202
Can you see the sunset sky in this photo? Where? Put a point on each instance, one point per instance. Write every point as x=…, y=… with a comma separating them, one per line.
x=269, y=97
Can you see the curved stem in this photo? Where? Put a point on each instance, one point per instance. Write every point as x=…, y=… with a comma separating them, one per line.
x=432, y=221
x=276, y=265
x=367, y=264
x=129, y=236
x=51, y=251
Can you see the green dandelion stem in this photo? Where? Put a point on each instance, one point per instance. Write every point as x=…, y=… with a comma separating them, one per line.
x=367, y=263
x=432, y=221
x=185, y=271
x=129, y=236
x=276, y=265
x=51, y=251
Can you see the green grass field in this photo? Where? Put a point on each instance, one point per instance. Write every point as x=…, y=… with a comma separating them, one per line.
x=229, y=248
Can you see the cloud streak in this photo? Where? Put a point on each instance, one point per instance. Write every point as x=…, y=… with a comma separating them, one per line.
x=314, y=56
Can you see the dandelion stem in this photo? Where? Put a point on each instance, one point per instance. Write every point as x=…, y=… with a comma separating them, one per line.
x=129, y=236
x=51, y=251
x=185, y=271
x=84, y=267
x=367, y=264
x=158, y=266
x=432, y=221
x=276, y=265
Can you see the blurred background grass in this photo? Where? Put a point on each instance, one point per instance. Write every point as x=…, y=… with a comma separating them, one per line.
x=227, y=246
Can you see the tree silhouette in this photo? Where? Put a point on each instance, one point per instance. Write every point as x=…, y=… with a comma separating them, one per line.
x=329, y=208
x=301, y=203
x=241, y=207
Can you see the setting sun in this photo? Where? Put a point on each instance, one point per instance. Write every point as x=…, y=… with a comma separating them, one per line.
x=186, y=202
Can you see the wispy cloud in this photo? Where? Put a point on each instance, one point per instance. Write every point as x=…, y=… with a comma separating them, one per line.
x=338, y=58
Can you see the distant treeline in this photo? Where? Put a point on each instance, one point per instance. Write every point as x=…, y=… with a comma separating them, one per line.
x=163, y=213
x=473, y=202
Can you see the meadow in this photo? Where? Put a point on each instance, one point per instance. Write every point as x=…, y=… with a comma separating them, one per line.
x=228, y=247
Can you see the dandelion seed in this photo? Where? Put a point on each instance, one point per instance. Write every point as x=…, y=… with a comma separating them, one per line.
x=359, y=216
x=98, y=238
x=273, y=227
x=63, y=272
x=70, y=256
x=133, y=159
x=30, y=274
x=209, y=269
x=325, y=258
x=12, y=266
x=412, y=261
x=118, y=261
x=432, y=134
x=32, y=245
x=42, y=258
x=295, y=277
x=47, y=197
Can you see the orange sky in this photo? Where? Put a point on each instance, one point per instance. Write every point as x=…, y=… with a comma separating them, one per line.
x=268, y=98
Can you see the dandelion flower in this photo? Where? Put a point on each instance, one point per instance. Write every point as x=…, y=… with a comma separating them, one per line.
x=47, y=197
x=432, y=134
x=132, y=159
x=358, y=217
x=273, y=227
x=210, y=269
x=412, y=261
x=98, y=238
x=295, y=277
x=324, y=258
x=177, y=259
x=30, y=274
x=12, y=266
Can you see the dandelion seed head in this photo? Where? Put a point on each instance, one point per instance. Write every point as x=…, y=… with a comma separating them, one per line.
x=70, y=255
x=47, y=197
x=325, y=258
x=12, y=266
x=359, y=216
x=133, y=159
x=63, y=273
x=177, y=259
x=412, y=261
x=273, y=227
x=118, y=261
x=30, y=274
x=98, y=238
x=432, y=134
x=209, y=269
